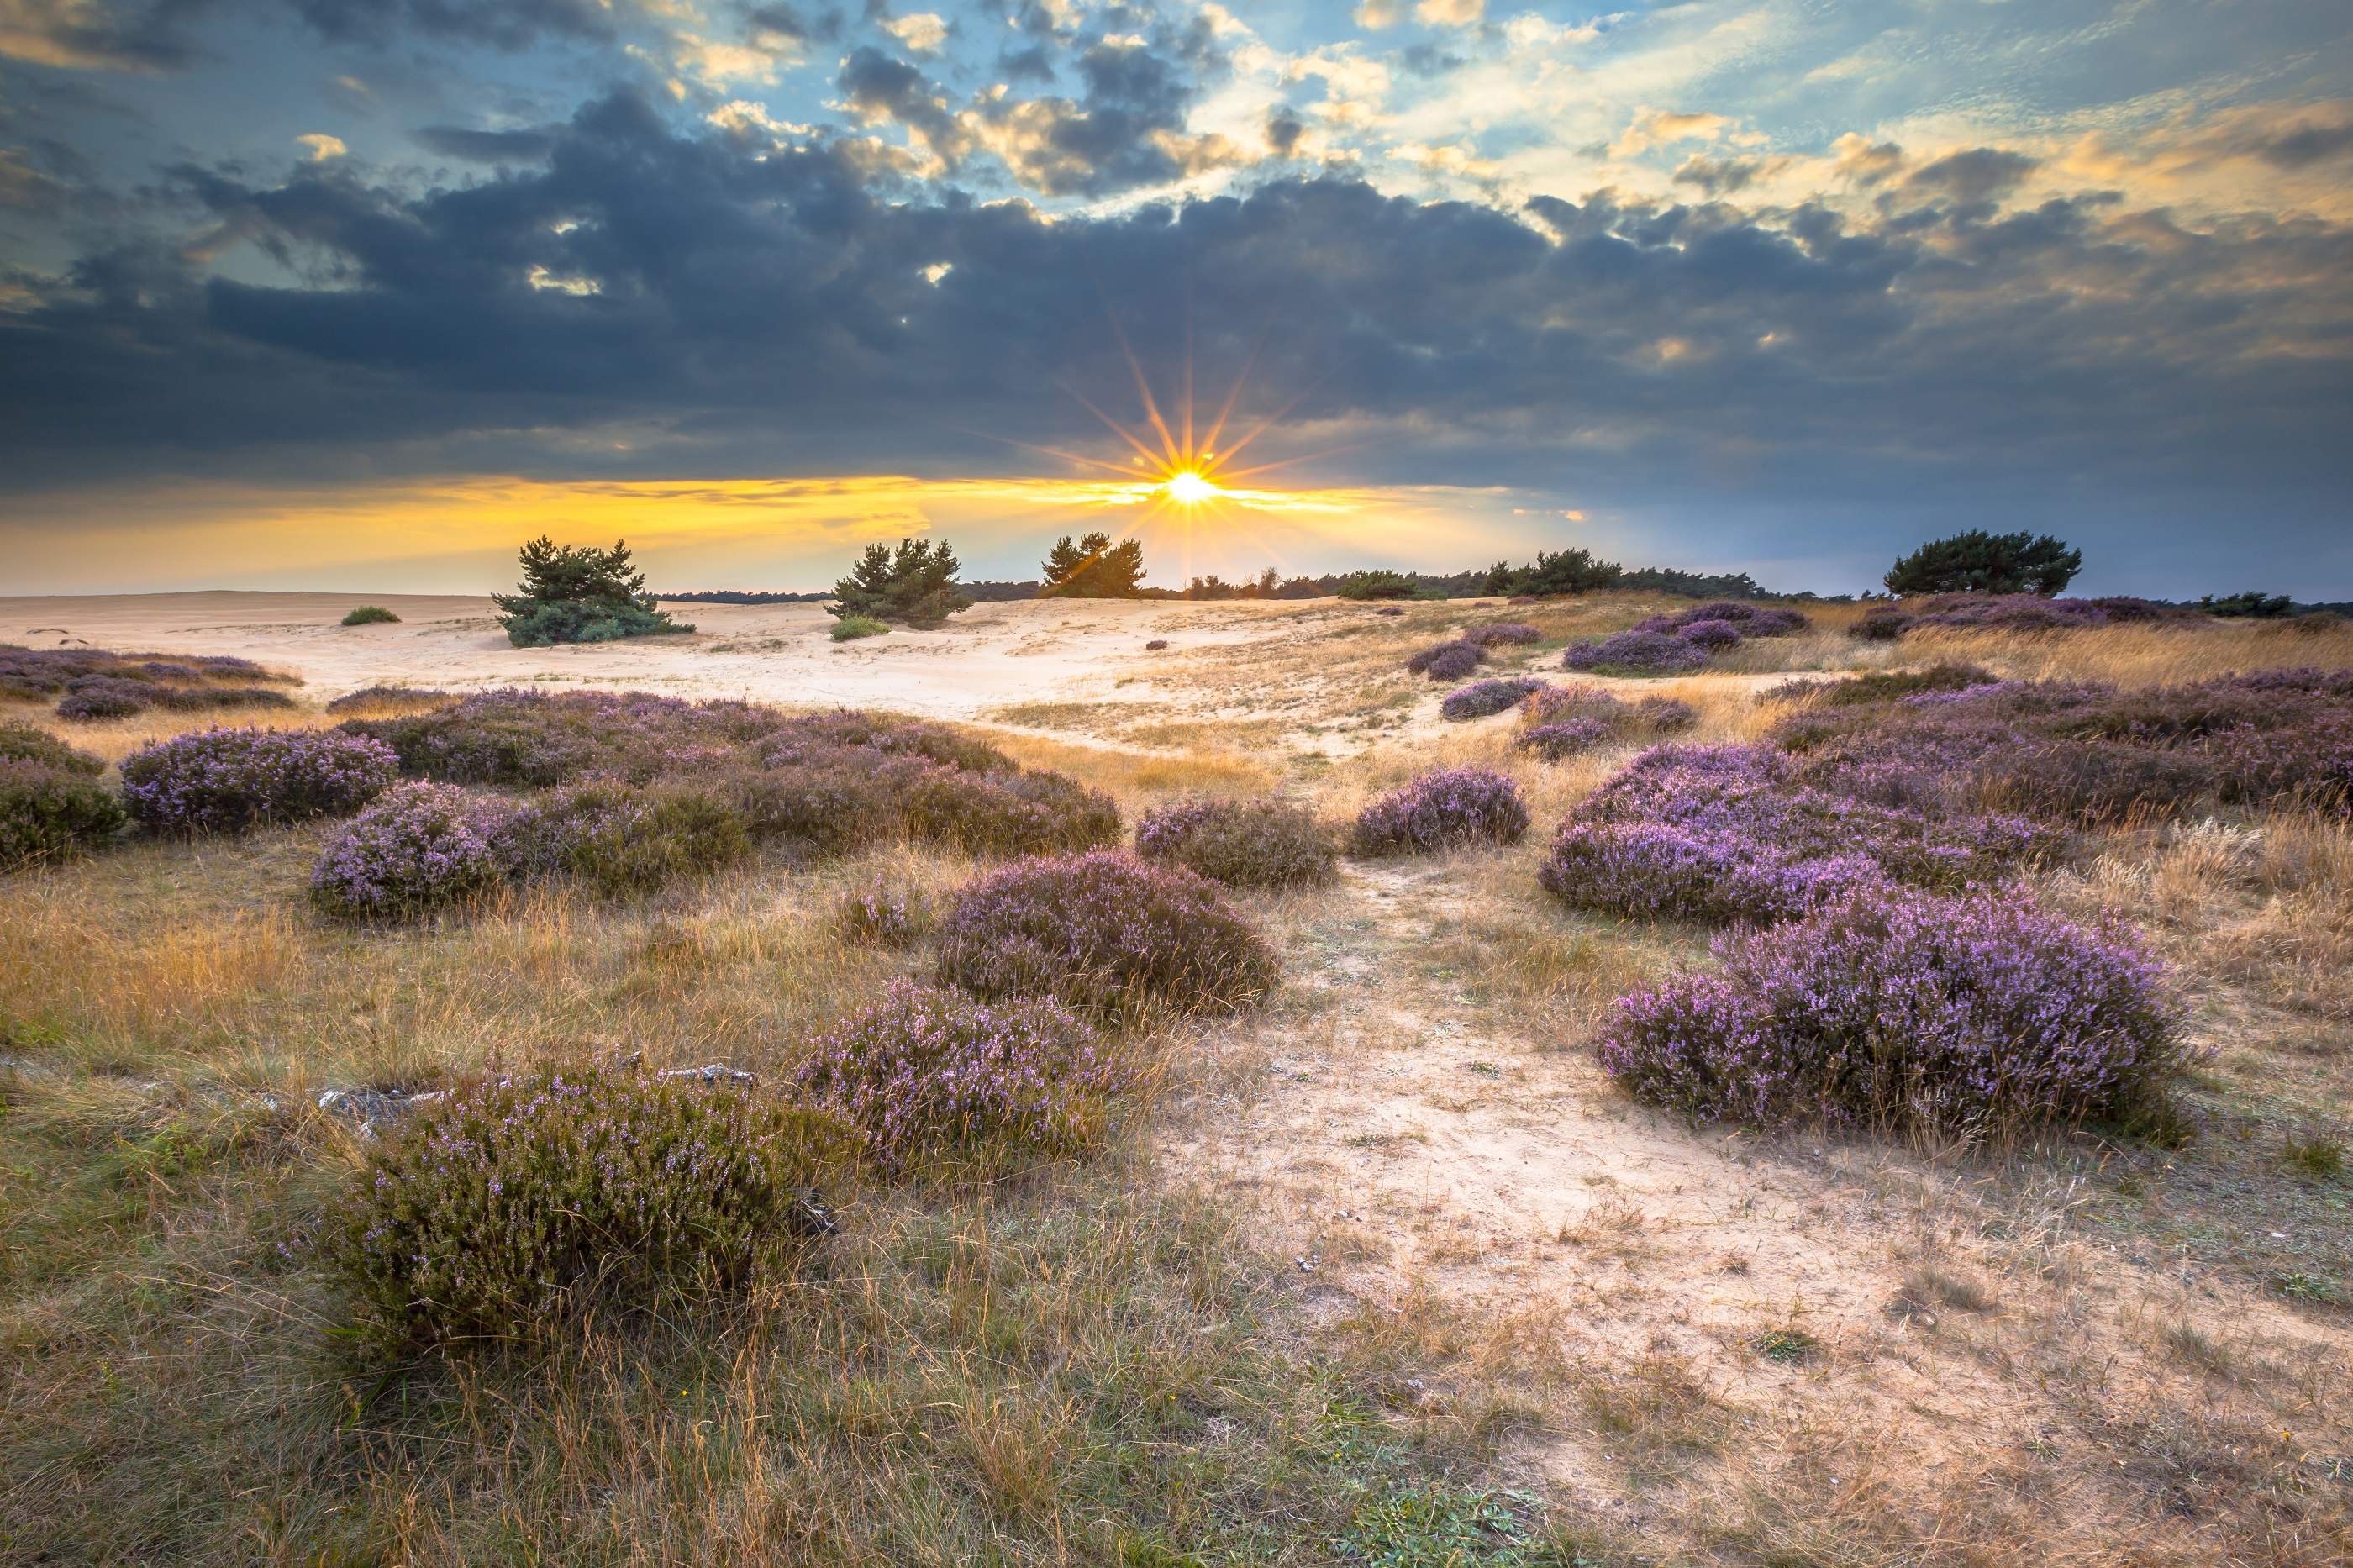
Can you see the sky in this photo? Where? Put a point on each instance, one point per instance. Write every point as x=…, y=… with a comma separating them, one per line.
x=357, y=294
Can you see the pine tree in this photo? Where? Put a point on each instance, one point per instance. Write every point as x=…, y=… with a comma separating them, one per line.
x=1981, y=562
x=913, y=584
x=1093, y=568
x=579, y=594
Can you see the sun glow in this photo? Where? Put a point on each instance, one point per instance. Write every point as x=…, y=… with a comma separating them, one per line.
x=1190, y=487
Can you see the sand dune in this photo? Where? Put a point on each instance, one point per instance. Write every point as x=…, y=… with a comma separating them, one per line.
x=992, y=655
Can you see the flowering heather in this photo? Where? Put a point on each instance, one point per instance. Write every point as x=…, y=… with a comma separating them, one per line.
x=1503, y=634
x=540, y=738
x=50, y=812
x=419, y=846
x=107, y=697
x=1449, y=809
x=851, y=729
x=1719, y=834
x=620, y=837
x=1635, y=653
x=885, y=917
x=1448, y=660
x=1243, y=844
x=1028, y=813
x=1563, y=720
x=930, y=1071
x=1104, y=933
x=2011, y=613
x=227, y=781
x=45, y=672
x=507, y=1204
x=1982, y=1012
x=1713, y=636
x=1485, y=698
x=1747, y=620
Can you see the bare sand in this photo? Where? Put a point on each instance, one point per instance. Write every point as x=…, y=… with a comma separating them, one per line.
x=991, y=656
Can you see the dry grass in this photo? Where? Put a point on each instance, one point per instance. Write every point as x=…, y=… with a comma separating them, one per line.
x=1392, y=1239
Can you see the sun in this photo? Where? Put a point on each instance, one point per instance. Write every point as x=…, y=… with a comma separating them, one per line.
x=1190, y=487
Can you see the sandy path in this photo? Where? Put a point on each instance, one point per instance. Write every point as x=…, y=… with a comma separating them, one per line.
x=991, y=656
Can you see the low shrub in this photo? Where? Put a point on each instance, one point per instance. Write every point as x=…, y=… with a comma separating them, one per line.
x=1006, y=814
x=930, y=1071
x=622, y=838
x=1719, y=834
x=1980, y=1014
x=1104, y=933
x=50, y=811
x=548, y=623
x=1636, y=653
x=371, y=616
x=1882, y=622
x=30, y=743
x=1713, y=636
x=228, y=781
x=1740, y=618
x=1563, y=720
x=884, y=917
x=1892, y=685
x=368, y=697
x=849, y=629
x=419, y=846
x=1448, y=660
x=1243, y=844
x=1449, y=809
x=1157, y=644
x=509, y=1206
x=1503, y=634
x=1485, y=698
x=107, y=697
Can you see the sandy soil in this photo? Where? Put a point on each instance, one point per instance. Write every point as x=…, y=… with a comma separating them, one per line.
x=991, y=656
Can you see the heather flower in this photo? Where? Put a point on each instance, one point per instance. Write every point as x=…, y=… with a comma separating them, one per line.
x=1503, y=634
x=1104, y=933
x=1243, y=844
x=1744, y=620
x=1897, y=1008
x=1486, y=698
x=1567, y=737
x=622, y=838
x=1448, y=809
x=1448, y=660
x=419, y=846
x=228, y=781
x=1635, y=653
x=1713, y=636
x=505, y=1206
x=29, y=743
x=381, y=696
x=931, y=1071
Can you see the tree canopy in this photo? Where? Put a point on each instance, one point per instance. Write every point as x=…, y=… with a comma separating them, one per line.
x=1555, y=572
x=913, y=585
x=1093, y=568
x=577, y=593
x=1981, y=562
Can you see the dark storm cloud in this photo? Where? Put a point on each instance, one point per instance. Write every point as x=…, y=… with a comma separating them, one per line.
x=150, y=36
x=770, y=310
x=487, y=146
x=501, y=24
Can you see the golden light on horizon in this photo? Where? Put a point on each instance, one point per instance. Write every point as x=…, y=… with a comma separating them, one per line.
x=1190, y=487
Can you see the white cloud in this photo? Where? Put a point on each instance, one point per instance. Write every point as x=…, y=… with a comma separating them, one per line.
x=923, y=31
x=321, y=146
x=1374, y=15
x=1661, y=127
x=1451, y=13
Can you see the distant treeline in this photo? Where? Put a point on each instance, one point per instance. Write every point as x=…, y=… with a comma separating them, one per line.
x=1469, y=584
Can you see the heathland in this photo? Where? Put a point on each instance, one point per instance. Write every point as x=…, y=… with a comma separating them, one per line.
x=1842, y=1099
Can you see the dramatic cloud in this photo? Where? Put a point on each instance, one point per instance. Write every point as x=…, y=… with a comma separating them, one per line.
x=1693, y=275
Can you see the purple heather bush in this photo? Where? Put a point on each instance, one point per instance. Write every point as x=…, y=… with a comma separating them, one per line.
x=931, y=1072
x=1241, y=843
x=1484, y=699
x=420, y=846
x=228, y=781
x=52, y=812
x=884, y=917
x=2012, y=612
x=1665, y=715
x=45, y=672
x=1723, y=834
x=1030, y=813
x=1563, y=720
x=1448, y=660
x=1104, y=933
x=1900, y=1008
x=1503, y=634
x=1449, y=809
x=1713, y=636
x=1745, y=619
x=508, y=1206
x=1635, y=653
x=1567, y=737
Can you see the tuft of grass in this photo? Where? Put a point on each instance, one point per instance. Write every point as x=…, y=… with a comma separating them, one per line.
x=371, y=616
x=2319, y=1155
x=1790, y=1346
x=849, y=629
